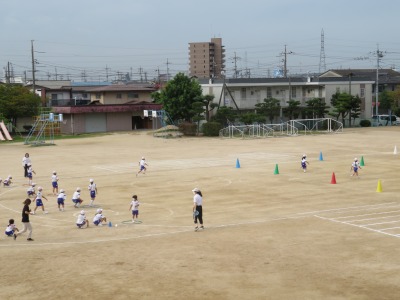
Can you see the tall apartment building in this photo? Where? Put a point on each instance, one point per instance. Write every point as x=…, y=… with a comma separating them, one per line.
x=207, y=60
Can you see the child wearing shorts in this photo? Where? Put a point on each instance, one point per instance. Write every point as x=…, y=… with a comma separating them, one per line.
x=11, y=228
x=99, y=218
x=60, y=200
x=135, y=208
x=82, y=220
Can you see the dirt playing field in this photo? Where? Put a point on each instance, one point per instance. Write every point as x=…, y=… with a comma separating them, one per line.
x=291, y=235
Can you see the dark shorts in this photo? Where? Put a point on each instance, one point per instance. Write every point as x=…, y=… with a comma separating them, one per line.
x=55, y=184
x=39, y=202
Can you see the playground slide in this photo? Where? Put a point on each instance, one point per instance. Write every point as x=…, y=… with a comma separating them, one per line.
x=2, y=137
x=5, y=131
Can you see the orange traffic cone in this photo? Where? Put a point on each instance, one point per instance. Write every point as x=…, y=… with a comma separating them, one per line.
x=333, y=180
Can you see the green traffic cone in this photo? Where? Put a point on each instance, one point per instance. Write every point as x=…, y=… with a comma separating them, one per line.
x=276, y=172
x=362, y=161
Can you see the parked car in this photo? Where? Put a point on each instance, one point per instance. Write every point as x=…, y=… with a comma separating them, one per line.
x=385, y=120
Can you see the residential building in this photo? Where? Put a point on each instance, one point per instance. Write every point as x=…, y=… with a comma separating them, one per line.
x=207, y=59
x=245, y=93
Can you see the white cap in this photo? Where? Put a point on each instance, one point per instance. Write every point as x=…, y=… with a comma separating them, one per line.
x=355, y=159
x=99, y=210
x=40, y=188
x=82, y=212
x=91, y=180
x=143, y=157
x=54, y=172
x=62, y=191
x=195, y=190
x=33, y=184
x=78, y=189
x=9, y=176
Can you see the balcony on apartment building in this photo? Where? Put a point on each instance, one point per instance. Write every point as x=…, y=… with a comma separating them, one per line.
x=69, y=102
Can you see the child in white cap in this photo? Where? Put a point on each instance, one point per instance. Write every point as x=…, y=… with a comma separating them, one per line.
x=82, y=220
x=54, y=182
x=76, y=197
x=60, y=200
x=142, y=165
x=92, y=190
x=99, y=218
x=39, y=201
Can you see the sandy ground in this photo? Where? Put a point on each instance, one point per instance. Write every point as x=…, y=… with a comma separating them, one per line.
x=291, y=235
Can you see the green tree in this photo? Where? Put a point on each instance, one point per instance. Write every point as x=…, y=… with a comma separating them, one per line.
x=224, y=115
x=316, y=108
x=341, y=105
x=209, y=105
x=250, y=118
x=17, y=101
x=178, y=96
x=385, y=102
x=293, y=109
x=355, y=108
x=271, y=108
x=198, y=113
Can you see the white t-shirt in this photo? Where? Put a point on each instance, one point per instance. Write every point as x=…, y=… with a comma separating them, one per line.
x=197, y=199
x=76, y=196
x=26, y=161
x=97, y=217
x=92, y=187
x=54, y=178
x=81, y=219
x=61, y=196
x=39, y=196
x=31, y=189
x=135, y=204
x=142, y=162
x=10, y=227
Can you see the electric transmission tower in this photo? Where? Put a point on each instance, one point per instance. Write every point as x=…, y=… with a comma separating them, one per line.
x=322, y=65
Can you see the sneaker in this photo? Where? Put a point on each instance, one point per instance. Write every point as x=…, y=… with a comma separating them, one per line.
x=100, y=225
x=29, y=239
x=45, y=212
x=196, y=228
x=15, y=236
x=201, y=227
x=33, y=213
x=133, y=221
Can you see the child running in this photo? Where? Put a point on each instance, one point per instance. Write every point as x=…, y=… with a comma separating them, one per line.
x=39, y=201
x=11, y=228
x=142, y=165
x=93, y=191
x=82, y=220
x=304, y=163
x=54, y=182
x=60, y=200
x=135, y=208
x=354, y=167
x=99, y=218
x=30, y=172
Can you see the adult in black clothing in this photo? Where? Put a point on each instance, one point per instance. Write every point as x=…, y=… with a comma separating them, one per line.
x=26, y=211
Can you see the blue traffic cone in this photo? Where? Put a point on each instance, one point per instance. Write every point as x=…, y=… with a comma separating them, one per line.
x=109, y=224
x=320, y=156
x=237, y=163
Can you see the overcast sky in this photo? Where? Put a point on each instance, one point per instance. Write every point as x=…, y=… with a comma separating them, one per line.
x=72, y=38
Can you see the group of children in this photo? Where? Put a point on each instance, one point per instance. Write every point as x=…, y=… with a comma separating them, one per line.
x=98, y=220
x=355, y=165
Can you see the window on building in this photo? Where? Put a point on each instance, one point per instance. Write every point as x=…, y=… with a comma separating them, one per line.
x=54, y=96
x=362, y=92
x=98, y=95
x=84, y=95
x=119, y=96
x=133, y=95
x=269, y=92
x=243, y=93
x=293, y=92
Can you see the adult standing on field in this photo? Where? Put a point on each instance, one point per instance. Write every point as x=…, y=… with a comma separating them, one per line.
x=26, y=211
x=198, y=208
x=26, y=161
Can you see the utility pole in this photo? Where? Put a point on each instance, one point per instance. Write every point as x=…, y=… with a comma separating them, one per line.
x=235, y=59
x=140, y=74
x=379, y=55
x=107, y=68
x=33, y=68
x=167, y=70
x=285, y=62
x=322, y=64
